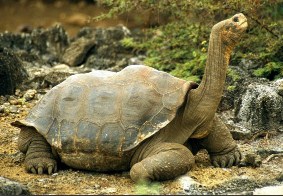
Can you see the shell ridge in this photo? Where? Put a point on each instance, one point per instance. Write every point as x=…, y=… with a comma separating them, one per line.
x=148, y=89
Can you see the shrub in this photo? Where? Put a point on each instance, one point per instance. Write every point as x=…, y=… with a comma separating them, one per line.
x=179, y=46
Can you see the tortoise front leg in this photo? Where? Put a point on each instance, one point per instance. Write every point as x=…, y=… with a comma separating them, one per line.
x=163, y=161
x=39, y=157
x=220, y=145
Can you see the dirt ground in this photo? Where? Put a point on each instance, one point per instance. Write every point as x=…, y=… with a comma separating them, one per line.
x=69, y=181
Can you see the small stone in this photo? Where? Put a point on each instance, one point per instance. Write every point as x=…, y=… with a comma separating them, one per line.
x=29, y=95
x=62, y=68
x=13, y=102
x=251, y=159
x=56, y=77
x=240, y=133
x=14, y=109
x=21, y=101
x=110, y=190
x=2, y=109
x=280, y=89
x=3, y=99
x=136, y=60
x=18, y=92
x=55, y=174
x=6, y=104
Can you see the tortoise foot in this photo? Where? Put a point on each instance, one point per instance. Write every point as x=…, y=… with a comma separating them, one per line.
x=41, y=165
x=226, y=160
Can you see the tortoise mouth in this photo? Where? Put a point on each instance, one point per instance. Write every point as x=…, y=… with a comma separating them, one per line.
x=244, y=25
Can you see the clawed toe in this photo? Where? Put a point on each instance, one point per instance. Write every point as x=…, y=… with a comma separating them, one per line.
x=227, y=160
x=40, y=166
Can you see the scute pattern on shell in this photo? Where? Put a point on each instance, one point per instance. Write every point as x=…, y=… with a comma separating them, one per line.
x=108, y=112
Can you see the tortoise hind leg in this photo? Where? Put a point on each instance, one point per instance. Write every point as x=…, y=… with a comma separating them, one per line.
x=39, y=157
x=163, y=162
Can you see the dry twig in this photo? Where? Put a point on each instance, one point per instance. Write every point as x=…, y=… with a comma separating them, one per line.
x=271, y=156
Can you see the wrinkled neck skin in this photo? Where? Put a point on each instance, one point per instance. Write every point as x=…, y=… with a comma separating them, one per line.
x=203, y=101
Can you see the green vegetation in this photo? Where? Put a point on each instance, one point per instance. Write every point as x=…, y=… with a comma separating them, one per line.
x=145, y=188
x=179, y=45
x=272, y=70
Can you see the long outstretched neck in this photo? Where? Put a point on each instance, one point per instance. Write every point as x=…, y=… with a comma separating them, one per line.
x=205, y=99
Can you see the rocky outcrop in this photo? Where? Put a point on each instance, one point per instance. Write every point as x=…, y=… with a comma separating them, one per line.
x=41, y=49
x=75, y=54
x=250, y=105
x=108, y=52
x=9, y=187
x=12, y=72
x=43, y=46
x=260, y=107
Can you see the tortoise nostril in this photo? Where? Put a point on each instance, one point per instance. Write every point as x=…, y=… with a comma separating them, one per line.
x=236, y=19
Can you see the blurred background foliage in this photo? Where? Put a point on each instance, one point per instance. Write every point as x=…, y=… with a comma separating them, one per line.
x=179, y=45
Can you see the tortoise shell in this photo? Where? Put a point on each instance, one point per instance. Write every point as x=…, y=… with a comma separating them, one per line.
x=108, y=112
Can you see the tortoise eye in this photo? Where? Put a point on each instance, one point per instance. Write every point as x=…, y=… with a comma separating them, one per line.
x=236, y=19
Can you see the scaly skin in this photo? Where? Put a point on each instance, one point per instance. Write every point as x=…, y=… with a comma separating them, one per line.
x=39, y=157
x=222, y=154
x=221, y=146
x=162, y=161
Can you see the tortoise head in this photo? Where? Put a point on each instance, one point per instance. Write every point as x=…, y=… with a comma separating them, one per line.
x=231, y=30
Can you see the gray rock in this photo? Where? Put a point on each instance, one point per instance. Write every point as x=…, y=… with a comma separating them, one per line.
x=109, y=190
x=95, y=62
x=190, y=186
x=12, y=72
x=108, y=51
x=14, y=109
x=136, y=60
x=9, y=187
x=242, y=185
x=234, y=86
x=45, y=45
x=248, y=64
x=279, y=84
x=55, y=77
x=75, y=54
x=261, y=107
x=251, y=159
x=2, y=109
x=238, y=131
x=41, y=77
x=29, y=95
